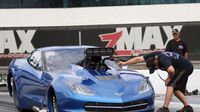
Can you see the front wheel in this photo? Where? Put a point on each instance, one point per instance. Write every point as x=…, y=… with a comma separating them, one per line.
x=52, y=103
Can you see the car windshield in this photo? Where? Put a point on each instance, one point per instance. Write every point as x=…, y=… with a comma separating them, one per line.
x=59, y=59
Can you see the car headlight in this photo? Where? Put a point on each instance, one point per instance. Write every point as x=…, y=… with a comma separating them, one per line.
x=77, y=88
x=144, y=86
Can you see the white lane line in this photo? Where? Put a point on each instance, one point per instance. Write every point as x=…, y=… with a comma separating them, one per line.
x=175, y=104
x=4, y=93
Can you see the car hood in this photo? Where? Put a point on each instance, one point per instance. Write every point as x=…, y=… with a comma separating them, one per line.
x=102, y=83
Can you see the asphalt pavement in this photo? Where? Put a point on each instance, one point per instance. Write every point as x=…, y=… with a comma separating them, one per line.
x=175, y=104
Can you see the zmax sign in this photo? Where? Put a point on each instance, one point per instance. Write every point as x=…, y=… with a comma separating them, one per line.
x=8, y=41
x=20, y=41
x=123, y=38
x=139, y=38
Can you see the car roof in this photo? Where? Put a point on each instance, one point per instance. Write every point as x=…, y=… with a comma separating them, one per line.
x=49, y=48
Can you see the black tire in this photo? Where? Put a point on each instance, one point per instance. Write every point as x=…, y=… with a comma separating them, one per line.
x=52, y=103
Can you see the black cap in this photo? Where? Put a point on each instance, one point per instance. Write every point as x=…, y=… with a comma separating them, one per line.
x=175, y=31
x=150, y=65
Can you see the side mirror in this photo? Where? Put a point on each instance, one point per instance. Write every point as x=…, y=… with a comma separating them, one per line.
x=39, y=67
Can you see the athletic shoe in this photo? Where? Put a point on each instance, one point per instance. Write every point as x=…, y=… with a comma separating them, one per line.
x=186, y=109
x=163, y=109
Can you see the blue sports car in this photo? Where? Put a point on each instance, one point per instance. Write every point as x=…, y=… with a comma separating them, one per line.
x=77, y=79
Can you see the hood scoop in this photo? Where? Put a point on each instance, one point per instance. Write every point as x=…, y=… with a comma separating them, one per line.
x=112, y=77
x=104, y=75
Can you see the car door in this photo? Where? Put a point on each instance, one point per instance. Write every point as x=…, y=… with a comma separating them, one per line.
x=33, y=87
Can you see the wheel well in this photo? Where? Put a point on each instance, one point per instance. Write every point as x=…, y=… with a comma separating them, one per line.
x=51, y=93
x=9, y=76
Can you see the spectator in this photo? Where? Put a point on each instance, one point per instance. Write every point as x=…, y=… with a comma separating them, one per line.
x=177, y=45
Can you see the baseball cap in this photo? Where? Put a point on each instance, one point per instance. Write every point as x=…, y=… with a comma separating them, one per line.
x=150, y=65
x=175, y=31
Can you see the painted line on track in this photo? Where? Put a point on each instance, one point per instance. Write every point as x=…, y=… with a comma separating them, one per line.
x=4, y=93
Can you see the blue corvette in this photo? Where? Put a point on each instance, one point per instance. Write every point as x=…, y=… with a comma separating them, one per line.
x=77, y=79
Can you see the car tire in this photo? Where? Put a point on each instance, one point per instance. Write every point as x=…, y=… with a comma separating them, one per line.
x=52, y=103
x=14, y=94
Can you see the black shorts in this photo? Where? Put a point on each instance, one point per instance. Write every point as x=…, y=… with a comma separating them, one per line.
x=179, y=81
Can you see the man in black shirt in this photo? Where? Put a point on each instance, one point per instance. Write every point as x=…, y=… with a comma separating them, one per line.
x=177, y=45
x=178, y=69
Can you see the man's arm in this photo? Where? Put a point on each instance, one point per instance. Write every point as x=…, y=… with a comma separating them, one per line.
x=186, y=55
x=171, y=72
x=132, y=61
x=168, y=47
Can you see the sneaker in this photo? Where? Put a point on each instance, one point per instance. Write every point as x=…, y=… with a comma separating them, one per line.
x=163, y=109
x=181, y=110
x=186, y=109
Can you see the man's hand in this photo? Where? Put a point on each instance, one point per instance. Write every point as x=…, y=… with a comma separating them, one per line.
x=121, y=63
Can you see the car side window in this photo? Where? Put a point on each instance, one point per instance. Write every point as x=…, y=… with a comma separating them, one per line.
x=35, y=60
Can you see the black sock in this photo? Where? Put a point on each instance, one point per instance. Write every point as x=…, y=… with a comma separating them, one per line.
x=165, y=108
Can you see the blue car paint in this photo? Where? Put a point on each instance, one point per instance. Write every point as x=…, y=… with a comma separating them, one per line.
x=31, y=88
x=78, y=101
x=33, y=85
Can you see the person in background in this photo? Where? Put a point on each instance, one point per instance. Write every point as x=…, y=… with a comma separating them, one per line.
x=178, y=69
x=177, y=45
